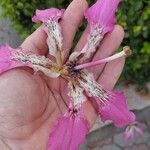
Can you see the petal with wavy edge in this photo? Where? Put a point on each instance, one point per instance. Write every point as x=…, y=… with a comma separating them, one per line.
x=6, y=62
x=44, y=15
x=102, y=13
x=68, y=134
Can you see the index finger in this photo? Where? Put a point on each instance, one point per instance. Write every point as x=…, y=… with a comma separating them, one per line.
x=71, y=21
x=36, y=43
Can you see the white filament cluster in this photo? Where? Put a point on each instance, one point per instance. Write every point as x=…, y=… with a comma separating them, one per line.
x=94, y=38
x=92, y=87
x=77, y=95
x=54, y=40
x=32, y=58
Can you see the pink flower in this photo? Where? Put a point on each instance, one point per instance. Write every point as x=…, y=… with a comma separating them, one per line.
x=72, y=127
x=102, y=13
x=135, y=127
x=69, y=132
x=44, y=15
x=6, y=63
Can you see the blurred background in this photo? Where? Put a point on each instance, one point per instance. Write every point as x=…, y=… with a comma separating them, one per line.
x=134, y=16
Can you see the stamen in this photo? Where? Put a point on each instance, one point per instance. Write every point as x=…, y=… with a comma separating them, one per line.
x=125, y=53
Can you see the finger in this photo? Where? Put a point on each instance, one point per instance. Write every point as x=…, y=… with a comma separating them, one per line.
x=70, y=22
x=36, y=43
x=90, y=113
x=83, y=39
x=108, y=46
x=111, y=73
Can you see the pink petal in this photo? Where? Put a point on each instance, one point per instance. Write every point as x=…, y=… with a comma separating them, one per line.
x=132, y=129
x=44, y=15
x=128, y=135
x=68, y=134
x=5, y=59
x=116, y=109
x=103, y=14
x=138, y=130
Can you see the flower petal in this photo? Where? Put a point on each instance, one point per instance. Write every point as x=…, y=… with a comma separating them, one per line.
x=6, y=62
x=101, y=17
x=116, y=110
x=76, y=94
x=34, y=59
x=112, y=106
x=50, y=19
x=102, y=13
x=68, y=133
x=128, y=135
x=54, y=40
x=94, y=39
x=44, y=15
x=47, y=72
x=132, y=129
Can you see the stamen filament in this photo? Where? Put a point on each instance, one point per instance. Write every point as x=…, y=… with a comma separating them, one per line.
x=125, y=53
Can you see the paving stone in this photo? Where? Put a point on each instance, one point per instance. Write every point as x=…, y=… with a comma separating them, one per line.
x=83, y=147
x=148, y=125
x=143, y=139
x=137, y=147
x=96, y=148
x=148, y=144
x=110, y=147
x=105, y=142
x=119, y=140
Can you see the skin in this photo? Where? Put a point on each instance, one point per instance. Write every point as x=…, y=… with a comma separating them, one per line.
x=30, y=103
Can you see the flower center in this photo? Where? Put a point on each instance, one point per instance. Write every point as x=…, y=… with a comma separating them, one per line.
x=73, y=73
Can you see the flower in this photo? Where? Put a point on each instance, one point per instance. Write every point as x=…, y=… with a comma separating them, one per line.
x=72, y=127
x=102, y=14
x=135, y=127
x=111, y=105
x=44, y=15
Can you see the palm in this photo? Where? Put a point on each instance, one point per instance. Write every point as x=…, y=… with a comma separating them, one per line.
x=31, y=103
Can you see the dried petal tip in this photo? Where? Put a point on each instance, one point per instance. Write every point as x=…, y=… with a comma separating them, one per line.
x=127, y=51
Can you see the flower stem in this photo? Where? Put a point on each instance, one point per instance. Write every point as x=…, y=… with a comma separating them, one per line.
x=125, y=53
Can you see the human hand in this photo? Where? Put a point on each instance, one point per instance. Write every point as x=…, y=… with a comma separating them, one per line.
x=30, y=103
